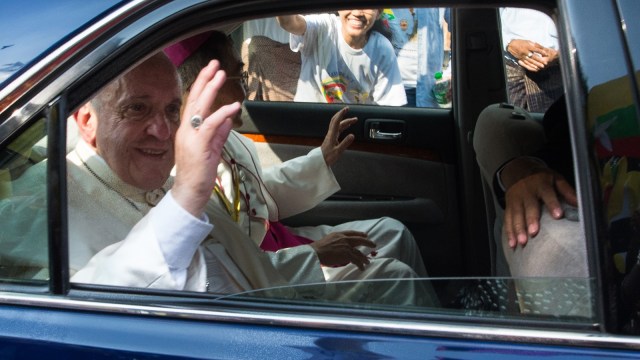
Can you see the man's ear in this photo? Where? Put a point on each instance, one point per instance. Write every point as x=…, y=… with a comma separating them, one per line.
x=87, y=121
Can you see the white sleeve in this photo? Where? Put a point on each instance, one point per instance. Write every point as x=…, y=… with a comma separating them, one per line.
x=300, y=184
x=157, y=253
x=298, y=264
x=506, y=18
x=180, y=241
x=388, y=89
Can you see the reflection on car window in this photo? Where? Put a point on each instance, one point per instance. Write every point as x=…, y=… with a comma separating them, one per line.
x=629, y=11
x=530, y=47
x=23, y=207
x=250, y=251
x=416, y=73
x=555, y=299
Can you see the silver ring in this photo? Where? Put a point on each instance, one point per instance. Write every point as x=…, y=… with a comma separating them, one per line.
x=530, y=54
x=196, y=121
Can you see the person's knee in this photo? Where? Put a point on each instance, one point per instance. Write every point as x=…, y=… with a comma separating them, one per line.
x=394, y=269
x=395, y=229
x=390, y=223
x=558, y=250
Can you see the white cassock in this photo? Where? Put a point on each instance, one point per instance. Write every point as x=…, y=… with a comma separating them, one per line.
x=115, y=243
x=116, y=232
x=298, y=185
x=121, y=229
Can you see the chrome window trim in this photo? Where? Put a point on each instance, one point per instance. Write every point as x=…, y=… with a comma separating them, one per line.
x=333, y=322
x=64, y=52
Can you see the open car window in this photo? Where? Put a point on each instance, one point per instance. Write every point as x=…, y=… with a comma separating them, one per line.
x=404, y=181
x=23, y=180
x=563, y=298
x=280, y=65
x=531, y=59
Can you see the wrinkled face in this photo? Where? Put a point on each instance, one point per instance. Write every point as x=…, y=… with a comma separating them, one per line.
x=138, y=120
x=235, y=88
x=356, y=24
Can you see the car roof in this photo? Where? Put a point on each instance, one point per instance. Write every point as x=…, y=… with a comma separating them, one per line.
x=32, y=28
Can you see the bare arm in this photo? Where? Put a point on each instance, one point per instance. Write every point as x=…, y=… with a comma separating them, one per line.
x=294, y=24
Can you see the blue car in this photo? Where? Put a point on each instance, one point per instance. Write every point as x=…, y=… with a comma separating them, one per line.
x=419, y=163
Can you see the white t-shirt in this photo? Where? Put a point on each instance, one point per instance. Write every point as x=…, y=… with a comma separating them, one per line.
x=333, y=72
x=528, y=24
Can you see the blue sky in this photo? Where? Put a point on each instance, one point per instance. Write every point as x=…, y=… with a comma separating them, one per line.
x=29, y=27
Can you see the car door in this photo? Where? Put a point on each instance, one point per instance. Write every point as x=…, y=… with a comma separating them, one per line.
x=44, y=313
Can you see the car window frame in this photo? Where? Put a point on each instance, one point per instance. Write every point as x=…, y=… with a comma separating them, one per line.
x=71, y=99
x=150, y=31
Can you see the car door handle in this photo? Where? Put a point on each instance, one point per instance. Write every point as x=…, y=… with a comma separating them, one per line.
x=377, y=134
x=384, y=129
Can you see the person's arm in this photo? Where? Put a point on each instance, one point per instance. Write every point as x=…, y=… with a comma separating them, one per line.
x=529, y=183
x=294, y=24
x=159, y=252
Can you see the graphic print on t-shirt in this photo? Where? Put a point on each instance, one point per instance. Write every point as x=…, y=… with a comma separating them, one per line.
x=337, y=89
x=333, y=89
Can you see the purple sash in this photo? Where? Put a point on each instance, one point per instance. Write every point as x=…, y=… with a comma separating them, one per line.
x=279, y=237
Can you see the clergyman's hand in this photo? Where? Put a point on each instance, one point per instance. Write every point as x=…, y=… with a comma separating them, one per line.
x=339, y=248
x=198, y=150
x=332, y=147
x=523, y=203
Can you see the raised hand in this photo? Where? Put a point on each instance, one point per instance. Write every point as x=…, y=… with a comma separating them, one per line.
x=332, y=148
x=198, y=149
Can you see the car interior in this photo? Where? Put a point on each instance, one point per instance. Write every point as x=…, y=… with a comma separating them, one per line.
x=423, y=174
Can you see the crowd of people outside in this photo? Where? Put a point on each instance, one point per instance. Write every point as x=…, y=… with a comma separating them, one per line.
x=374, y=56
x=315, y=60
